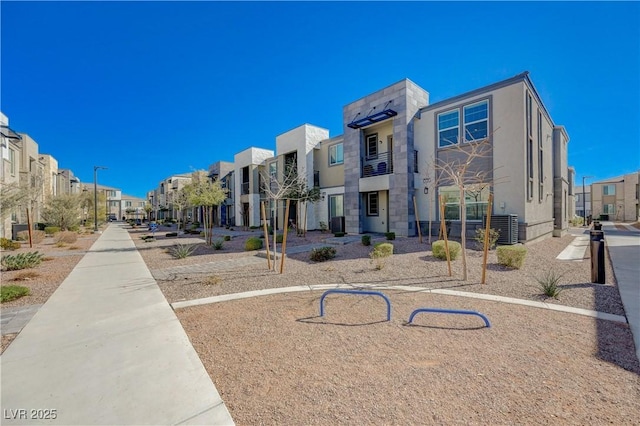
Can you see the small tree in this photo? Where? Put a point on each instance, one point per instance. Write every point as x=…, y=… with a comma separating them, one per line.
x=148, y=209
x=180, y=202
x=63, y=211
x=202, y=192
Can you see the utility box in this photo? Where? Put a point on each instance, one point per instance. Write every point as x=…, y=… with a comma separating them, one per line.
x=506, y=225
x=18, y=227
x=596, y=246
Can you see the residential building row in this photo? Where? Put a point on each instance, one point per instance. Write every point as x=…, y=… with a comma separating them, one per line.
x=615, y=199
x=380, y=174
x=24, y=165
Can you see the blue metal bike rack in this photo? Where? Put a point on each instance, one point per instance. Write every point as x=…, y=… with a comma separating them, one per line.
x=449, y=311
x=360, y=292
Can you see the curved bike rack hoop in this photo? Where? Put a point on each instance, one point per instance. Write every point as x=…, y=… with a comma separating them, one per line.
x=449, y=311
x=359, y=292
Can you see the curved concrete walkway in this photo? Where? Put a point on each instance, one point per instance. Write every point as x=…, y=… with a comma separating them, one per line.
x=107, y=349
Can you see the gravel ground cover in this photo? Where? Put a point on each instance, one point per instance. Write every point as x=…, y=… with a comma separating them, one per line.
x=275, y=361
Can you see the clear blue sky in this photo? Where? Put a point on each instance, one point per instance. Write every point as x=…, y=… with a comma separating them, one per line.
x=149, y=89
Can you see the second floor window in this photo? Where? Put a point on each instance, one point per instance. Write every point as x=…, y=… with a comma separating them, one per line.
x=609, y=190
x=12, y=161
x=476, y=121
x=448, y=128
x=336, y=155
x=372, y=145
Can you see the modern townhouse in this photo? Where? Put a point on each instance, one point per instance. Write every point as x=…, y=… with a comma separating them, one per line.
x=32, y=176
x=223, y=171
x=329, y=166
x=68, y=183
x=10, y=171
x=616, y=198
x=249, y=166
x=132, y=207
x=162, y=199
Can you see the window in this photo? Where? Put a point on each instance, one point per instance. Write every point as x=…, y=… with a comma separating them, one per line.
x=448, y=128
x=609, y=190
x=476, y=121
x=415, y=161
x=113, y=203
x=372, y=204
x=540, y=160
x=12, y=161
x=609, y=209
x=475, y=200
x=127, y=203
x=336, y=155
x=529, y=143
x=162, y=188
x=372, y=145
x=336, y=205
x=273, y=170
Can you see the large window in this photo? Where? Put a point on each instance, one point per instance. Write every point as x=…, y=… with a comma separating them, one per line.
x=448, y=128
x=609, y=209
x=372, y=146
x=476, y=201
x=335, y=154
x=373, y=207
x=529, y=144
x=609, y=190
x=273, y=170
x=540, y=160
x=336, y=205
x=12, y=161
x=476, y=121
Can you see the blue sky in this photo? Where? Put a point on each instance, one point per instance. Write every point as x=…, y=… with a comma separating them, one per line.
x=150, y=89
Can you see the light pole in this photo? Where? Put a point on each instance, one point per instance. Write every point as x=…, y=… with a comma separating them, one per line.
x=584, y=202
x=95, y=196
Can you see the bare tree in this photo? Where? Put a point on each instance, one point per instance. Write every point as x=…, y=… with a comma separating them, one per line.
x=466, y=167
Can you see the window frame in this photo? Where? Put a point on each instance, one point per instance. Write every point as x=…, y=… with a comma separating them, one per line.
x=482, y=202
x=370, y=211
x=440, y=130
x=371, y=138
x=529, y=145
x=606, y=210
x=338, y=161
x=333, y=202
x=540, y=160
x=12, y=161
x=465, y=124
x=604, y=189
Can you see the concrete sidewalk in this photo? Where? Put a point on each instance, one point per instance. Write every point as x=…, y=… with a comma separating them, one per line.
x=107, y=348
x=624, y=250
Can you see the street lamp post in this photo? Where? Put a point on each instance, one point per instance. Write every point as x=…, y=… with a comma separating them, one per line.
x=584, y=202
x=95, y=196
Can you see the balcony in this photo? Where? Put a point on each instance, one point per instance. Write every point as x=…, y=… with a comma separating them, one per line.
x=381, y=164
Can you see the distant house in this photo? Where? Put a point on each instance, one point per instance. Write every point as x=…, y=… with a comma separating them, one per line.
x=616, y=198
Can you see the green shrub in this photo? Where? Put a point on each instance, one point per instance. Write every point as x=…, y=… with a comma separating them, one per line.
x=74, y=228
x=549, y=283
x=171, y=234
x=217, y=244
x=10, y=292
x=366, y=240
x=50, y=230
x=21, y=261
x=65, y=237
x=252, y=243
x=180, y=251
x=323, y=227
x=36, y=236
x=439, y=252
x=493, y=237
x=279, y=238
x=254, y=227
x=511, y=256
x=338, y=234
x=228, y=237
x=7, y=244
x=390, y=235
x=322, y=254
x=379, y=253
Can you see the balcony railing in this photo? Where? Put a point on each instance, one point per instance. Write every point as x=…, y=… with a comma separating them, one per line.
x=245, y=188
x=381, y=164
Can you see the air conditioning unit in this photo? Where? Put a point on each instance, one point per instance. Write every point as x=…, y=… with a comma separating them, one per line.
x=507, y=225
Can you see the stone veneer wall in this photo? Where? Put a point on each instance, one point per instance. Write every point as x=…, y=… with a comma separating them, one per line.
x=406, y=99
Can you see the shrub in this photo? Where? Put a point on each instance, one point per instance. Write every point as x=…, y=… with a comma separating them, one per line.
x=322, y=254
x=10, y=292
x=21, y=261
x=228, y=237
x=338, y=234
x=279, y=238
x=511, y=256
x=323, y=227
x=549, y=283
x=180, y=251
x=74, y=228
x=253, y=243
x=217, y=244
x=254, y=227
x=171, y=234
x=36, y=236
x=212, y=280
x=439, y=252
x=65, y=237
x=379, y=253
x=50, y=230
x=7, y=244
x=366, y=240
x=60, y=244
x=390, y=235
x=493, y=237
